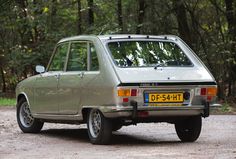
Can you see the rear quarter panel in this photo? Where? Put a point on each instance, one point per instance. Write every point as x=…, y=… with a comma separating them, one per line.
x=100, y=91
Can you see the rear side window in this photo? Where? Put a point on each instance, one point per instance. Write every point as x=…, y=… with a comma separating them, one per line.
x=147, y=53
x=59, y=58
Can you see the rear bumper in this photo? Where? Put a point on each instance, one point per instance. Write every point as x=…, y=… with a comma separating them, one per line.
x=162, y=111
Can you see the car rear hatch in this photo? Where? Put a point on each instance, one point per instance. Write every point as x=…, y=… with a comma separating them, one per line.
x=166, y=86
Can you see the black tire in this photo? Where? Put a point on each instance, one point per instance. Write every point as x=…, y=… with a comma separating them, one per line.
x=188, y=130
x=116, y=126
x=99, y=128
x=26, y=122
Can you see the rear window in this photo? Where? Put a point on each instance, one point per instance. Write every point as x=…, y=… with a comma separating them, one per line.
x=147, y=54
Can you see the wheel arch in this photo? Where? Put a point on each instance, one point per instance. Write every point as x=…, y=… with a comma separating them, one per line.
x=22, y=95
x=86, y=109
x=85, y=113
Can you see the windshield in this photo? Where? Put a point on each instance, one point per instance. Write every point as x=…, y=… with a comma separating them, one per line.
x=147, y=53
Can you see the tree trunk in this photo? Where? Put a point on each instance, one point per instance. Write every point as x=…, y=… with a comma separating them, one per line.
x=79, y=17
x=231, y=19
x=183, y=27
x=119, y=15
x=90, y=12
x=230, y=16
x=3, y=80
x=140, y=15
x=53, y=13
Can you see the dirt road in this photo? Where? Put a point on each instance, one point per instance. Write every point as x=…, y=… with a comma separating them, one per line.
x=144, y=141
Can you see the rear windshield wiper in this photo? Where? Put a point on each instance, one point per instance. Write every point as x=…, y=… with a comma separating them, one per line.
x=158, y=65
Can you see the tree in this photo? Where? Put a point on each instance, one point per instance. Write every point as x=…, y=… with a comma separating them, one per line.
x=119, y=15
x=183, y=26
x=79, y=17
x=90, y=12
x=231, y=20
x=30, y=29
x=141, y=13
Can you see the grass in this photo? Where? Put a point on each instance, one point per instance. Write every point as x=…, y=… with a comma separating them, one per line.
x=7, y=101
x=226, y=108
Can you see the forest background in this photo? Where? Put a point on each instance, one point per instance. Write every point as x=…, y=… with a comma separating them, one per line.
x=29, y=29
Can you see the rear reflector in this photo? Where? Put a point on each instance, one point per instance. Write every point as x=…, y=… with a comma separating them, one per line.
x=125, y=100
x=143, y=114
x=209, y=98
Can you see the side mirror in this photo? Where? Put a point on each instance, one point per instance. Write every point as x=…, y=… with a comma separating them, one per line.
x=40, y=69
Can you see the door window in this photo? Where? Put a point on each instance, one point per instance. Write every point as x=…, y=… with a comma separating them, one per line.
x=58, y=61
x=82, y=57
x=78, y=57
x=94, y=58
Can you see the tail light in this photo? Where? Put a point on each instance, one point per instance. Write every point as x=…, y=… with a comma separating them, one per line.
x=125, y=94
x=208, y=92
x=211, y=91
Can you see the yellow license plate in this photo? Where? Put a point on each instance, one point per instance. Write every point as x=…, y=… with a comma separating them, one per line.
x=165, y=98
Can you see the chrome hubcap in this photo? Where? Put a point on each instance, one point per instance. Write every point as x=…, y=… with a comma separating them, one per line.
x=95, y=123
x=26, y=118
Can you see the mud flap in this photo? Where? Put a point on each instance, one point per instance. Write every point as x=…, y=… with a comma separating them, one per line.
x=206, y=111
x=134, y=104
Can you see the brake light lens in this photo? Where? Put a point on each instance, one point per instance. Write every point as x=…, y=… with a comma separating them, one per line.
x=203, y=91
x=133, y=92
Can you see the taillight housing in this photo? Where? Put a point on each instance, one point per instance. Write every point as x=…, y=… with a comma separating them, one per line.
x=207, y=92
x=126, y=94
x=123, y=92
x=210, y=91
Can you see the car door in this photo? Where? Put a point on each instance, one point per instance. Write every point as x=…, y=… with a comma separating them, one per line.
x=82, y=61
x=46, y=85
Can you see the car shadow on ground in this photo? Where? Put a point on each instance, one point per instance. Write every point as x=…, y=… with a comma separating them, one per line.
x=118, y=138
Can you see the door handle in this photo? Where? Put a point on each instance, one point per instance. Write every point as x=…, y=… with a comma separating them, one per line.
x=57, y=76
x=81, y=74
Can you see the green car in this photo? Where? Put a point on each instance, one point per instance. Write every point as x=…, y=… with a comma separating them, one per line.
x=116, y=80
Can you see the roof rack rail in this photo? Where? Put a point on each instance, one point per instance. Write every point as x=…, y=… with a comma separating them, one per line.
x=137, y=37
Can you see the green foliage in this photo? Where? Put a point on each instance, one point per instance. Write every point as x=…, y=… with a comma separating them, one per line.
x=7, y=102
x=29, y=30
x=225, y=108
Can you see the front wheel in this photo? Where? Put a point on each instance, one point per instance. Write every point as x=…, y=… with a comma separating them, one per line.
x=99, y=127
x=188, y=130
x=25, y=120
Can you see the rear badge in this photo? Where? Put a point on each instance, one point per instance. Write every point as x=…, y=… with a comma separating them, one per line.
x=148, y=84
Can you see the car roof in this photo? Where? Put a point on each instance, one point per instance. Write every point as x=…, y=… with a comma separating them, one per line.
x=118, y=36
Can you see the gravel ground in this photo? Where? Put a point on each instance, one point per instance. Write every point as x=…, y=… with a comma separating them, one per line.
x=144, y=141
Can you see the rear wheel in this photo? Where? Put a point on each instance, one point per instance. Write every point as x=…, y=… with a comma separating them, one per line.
x=188, y=130
x=25, y=120
x=99, y=127
x=116, y=126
